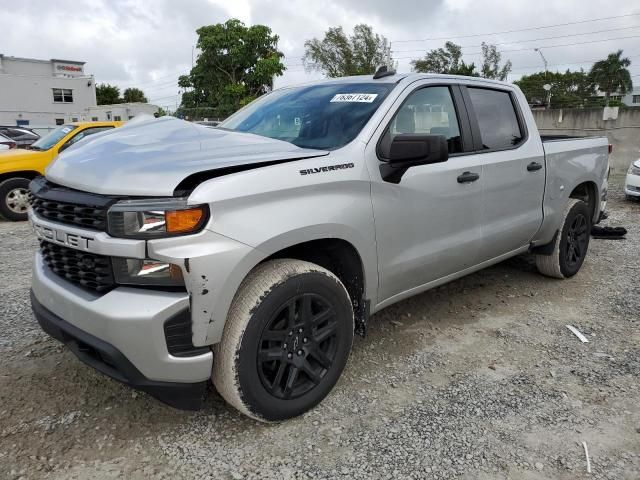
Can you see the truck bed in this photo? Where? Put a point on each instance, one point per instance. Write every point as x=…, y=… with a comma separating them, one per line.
x=570, y=161
x=553, y=138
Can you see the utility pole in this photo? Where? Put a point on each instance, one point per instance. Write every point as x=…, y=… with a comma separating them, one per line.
x=543, y=59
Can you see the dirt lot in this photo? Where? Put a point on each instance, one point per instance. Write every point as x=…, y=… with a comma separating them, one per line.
x=478, y=379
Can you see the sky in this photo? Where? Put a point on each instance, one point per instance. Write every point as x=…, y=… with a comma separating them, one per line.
x=148, y=43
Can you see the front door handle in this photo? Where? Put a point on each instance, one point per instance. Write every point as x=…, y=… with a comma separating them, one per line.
x=533, y=166
x=468, y=177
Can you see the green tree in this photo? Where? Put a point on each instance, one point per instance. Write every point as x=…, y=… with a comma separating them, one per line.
x=612, y=75
x=445, y=60
x=236, y=64
x=160, y=113
x=107, y=94
x=491, y=63
x=134, y=95
x=339, y=55
x=568, y=89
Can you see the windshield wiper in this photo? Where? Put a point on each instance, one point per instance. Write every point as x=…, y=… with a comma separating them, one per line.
x=31, y=147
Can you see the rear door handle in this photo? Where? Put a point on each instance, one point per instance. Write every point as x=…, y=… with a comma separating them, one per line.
x=468, y=177
x=533, y=166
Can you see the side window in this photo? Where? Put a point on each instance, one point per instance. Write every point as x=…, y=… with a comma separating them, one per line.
x=85, y=133
x=497, y=119
x=428, y=111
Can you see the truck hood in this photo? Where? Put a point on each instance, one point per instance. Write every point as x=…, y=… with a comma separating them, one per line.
x=152, y=157
x=18, y=159
x=16, y=153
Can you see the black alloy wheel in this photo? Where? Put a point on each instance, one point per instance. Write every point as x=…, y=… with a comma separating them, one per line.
x=298, y=346
x=577, y=241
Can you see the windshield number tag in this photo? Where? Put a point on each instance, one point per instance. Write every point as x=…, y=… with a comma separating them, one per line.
x=354, y=97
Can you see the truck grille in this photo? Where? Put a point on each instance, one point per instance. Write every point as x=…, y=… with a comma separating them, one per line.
x=68, y=206
x=93, y=218
x=88, y=270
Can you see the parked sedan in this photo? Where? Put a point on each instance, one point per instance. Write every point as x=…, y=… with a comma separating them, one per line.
x=22, y=136
x=6, y=143
x=632, y=183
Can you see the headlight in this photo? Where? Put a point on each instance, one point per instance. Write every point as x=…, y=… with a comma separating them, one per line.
x=633, y=170
x=156, y=218
x=133, y=271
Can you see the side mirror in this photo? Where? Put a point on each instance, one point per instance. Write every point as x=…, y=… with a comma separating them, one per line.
x=412, y=149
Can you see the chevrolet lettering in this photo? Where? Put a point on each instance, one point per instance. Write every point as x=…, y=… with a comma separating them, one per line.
x=61, y=237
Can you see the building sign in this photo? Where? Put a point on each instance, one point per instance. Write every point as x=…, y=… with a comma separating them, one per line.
x=69, y=68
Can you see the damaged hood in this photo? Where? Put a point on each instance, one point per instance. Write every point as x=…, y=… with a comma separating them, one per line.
x=151, y=157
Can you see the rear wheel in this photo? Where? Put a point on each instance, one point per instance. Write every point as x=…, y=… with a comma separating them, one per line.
x=571, y=245
x=14, y=201
x=286, y=341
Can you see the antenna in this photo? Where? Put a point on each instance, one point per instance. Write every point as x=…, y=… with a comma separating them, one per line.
x=383, y=72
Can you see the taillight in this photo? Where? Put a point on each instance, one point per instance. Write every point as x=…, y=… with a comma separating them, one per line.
x=610, y=148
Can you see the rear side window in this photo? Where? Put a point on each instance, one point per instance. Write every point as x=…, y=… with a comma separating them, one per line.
x=497, y=118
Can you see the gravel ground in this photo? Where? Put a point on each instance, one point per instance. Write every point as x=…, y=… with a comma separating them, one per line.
x=478, y=379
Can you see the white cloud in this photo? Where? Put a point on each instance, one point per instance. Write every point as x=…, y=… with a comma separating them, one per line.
x=148, y=43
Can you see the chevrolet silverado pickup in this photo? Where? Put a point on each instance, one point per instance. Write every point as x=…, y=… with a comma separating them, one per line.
x=18, y=167
x=172, y=254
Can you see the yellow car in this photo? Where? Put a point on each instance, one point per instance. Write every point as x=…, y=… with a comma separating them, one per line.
x=18, y=167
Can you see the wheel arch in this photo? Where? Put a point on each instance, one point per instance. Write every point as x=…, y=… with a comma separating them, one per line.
x=28, y=174
x=342, y=259
x=588, y=192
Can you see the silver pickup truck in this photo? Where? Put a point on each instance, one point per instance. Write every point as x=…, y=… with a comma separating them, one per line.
x=172, y=254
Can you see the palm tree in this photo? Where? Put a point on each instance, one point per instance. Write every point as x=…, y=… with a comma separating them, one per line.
x=612, y=75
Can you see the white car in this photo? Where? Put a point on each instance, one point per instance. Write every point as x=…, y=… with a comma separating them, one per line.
x=632, y=183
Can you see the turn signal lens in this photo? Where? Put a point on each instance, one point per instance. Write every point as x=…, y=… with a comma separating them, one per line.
x=183, y=221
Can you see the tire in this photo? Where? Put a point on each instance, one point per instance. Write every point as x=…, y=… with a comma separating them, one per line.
x=267, y=315
x=571, y=245
x=13, y=201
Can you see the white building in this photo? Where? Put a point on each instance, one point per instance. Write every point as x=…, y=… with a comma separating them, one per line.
x=118, y=112
x=632, y=99
x=43, y=92
x=40, y=93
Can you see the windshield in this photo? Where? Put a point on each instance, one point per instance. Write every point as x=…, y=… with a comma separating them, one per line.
x=53, y=137
x=323, y=117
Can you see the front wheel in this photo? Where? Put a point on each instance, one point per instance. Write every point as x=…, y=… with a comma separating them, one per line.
x=571, y=244
x=286, y=341
x=14, y=202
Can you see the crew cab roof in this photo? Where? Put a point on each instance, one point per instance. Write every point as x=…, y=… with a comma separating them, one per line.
x=397, y=78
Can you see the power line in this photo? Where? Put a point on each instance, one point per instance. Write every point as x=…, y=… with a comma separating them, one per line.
x=531, y=40
x=518, y=30
x=571, y=63
x=542, y=46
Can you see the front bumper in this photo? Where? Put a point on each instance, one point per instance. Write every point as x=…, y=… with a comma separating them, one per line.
x=107, y=359
x=129, y=321
x=632, y=185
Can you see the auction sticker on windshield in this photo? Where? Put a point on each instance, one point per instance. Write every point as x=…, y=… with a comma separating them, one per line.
x=354, y=97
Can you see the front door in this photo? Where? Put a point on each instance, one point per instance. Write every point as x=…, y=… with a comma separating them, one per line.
x=428, y=224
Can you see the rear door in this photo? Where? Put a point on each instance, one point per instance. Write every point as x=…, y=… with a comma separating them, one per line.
x=513, y=169
x=428, y=224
